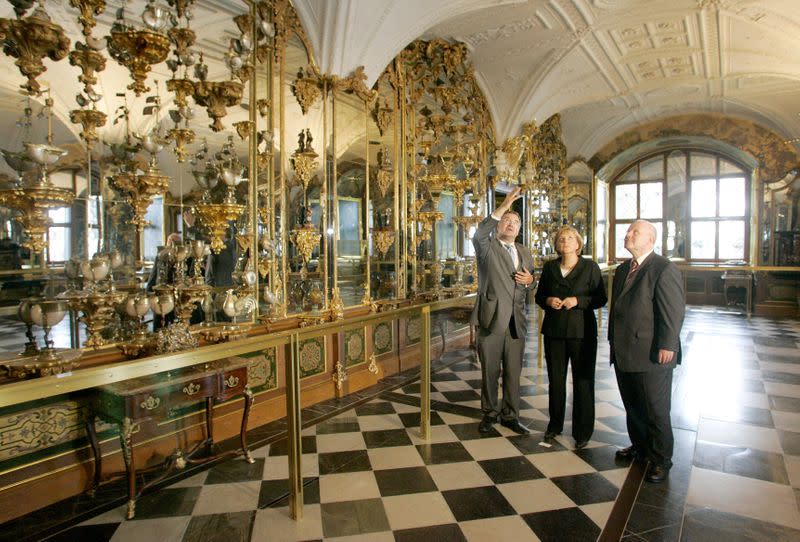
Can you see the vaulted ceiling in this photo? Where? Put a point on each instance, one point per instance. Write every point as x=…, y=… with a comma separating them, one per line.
x=605, y=65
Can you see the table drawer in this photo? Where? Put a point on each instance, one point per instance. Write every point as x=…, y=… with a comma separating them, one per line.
x=232, y=382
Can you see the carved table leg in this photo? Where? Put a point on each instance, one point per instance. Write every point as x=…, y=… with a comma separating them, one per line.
x=248, y=402
x=210, y=425
x=125, y=437
x=98, y=457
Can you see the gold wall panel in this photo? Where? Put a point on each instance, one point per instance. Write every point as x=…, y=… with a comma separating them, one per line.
x=747, y=136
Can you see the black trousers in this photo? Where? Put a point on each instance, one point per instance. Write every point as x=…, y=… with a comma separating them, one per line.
x=647, y=397
x=583, y=355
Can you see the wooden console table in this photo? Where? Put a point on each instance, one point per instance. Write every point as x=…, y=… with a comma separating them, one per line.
x=739, y=279
x=130, y=402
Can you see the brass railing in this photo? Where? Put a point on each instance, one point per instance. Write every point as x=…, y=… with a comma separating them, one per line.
x=91, y=377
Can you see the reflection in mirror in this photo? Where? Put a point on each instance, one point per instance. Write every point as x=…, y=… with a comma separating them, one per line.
x=350, y=138
x=601, y=224
x=676, y=204
x=305, y=182
x=578, y=197
x=384, y=241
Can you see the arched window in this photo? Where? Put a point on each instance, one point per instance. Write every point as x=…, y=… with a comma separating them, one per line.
x=697, y=200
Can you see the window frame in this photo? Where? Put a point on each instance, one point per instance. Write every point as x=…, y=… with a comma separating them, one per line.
x=719, y=158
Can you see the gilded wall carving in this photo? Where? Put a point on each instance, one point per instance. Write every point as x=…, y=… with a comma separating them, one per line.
x=413, y=330
x=312, y=357
x=354, y=352
x=42, y=426
x=775, y=156
x=382, y=338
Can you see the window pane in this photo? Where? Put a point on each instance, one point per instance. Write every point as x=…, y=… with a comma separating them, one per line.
x=731, y=240
x=657, y=248
x=630, y=175
x=349, y=242
x=60, y=215
x=94, y=238
x=704, y=198
x=625, y=199
x=58, y=247
x=703, y=238
x=651, y=204
x=92, y=204
x=601, y=201
x=731, y=197
x=702, y=164
x=726, y=167
x=445, y=234
x=600, y=233
x=652, y=170
x=153, y=232
x=619, y=244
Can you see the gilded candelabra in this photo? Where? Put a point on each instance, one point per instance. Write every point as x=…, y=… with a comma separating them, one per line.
x=137, y=305
x=33, y=204
x=45, y=313
x=98, y=308
x=306, y=238
x=35, y=199
x=216, y=217
x=24, y=314
x=139, y=191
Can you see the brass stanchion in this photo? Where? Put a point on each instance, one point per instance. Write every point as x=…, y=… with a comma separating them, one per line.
x=425, y=376
x=294, y=429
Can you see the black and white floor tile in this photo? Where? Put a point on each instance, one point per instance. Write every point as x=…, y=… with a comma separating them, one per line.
x=369, y=476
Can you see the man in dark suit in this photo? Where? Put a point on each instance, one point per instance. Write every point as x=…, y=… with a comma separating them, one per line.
x=644, y=325
x=504, y=275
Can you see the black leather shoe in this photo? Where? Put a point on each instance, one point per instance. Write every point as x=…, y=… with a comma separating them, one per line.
x=486, y=424
x=627, y=453
x=515, y=426
x=550, y=435
x=580, y=444
x=657, y=474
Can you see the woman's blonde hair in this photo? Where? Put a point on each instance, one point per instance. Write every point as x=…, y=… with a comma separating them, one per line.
x=571, y=231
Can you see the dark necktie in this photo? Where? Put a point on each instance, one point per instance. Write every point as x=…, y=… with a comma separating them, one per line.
x=633, y=269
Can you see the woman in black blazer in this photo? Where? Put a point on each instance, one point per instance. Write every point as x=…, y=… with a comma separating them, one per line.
x=569, y=290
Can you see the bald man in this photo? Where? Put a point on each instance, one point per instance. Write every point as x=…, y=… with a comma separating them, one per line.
x=644, y=325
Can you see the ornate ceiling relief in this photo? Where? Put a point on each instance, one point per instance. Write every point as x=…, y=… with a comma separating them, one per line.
x=775, y=156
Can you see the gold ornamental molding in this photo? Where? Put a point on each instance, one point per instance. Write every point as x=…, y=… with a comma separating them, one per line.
x=90, y=120
x=383, y=115
x=216, y=217
x=306, y=89
x=138, y=50
x=383, y=239
x=90, y=62
x=304, y=159
x=355, y=83
x=216, y=97
x=30, y=40
x=89, y=9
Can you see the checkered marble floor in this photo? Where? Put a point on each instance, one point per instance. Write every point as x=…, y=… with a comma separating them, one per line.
x=368, y=475
x=367, y=472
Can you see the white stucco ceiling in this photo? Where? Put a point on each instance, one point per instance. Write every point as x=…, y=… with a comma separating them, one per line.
x=605, y=65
